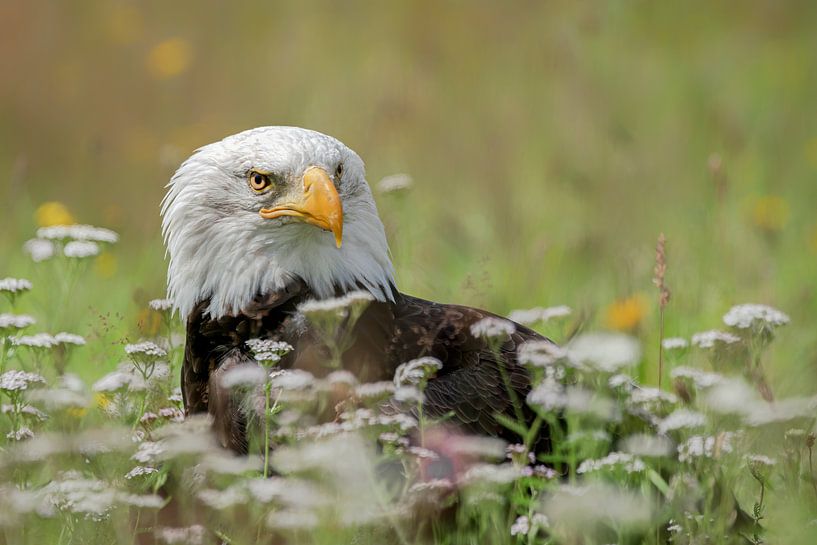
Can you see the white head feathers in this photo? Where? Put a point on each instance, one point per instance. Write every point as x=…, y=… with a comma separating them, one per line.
x=222, y=249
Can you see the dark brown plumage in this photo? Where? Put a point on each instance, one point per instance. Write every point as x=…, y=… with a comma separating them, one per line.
x=469, y=386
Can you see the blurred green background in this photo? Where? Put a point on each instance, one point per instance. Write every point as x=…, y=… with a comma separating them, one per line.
x=550, y=144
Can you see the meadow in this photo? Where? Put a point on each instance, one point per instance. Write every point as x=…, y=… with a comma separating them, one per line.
x=541, y=151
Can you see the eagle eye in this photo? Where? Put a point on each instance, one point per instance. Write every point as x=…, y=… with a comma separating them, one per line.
x=339, y=171
x=259, y=181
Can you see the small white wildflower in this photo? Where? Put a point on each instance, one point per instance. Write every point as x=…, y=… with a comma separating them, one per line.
x=540, y=353
x=492, y=474
x=190, y=535
x=493, y=328
x=701, y=379
x=78, y=233
x=620, y=380
x=292, y=379
x=291, y=519
x=341, y=377
x=761, y=413
x=160, y=305
x=148, y=452
x=144, y=501
x=681, y=419
x=700, y=446
x=375, y=390
x=139, y=471
x=145, y=349
x=69, y=338
x=20, y=434
x=521, y=526
x=15, y=321
x=124, y=377
x=39, y=340
x=713, y=338
x=80, y=249
x=732, y=396
x=759, y=466
x=674, y=343
x=608, y=352
x=337, y=306
x=580, y=508
x=416, y=371
x=269, y=346
x=549, y=395
x=243, y=376
x=16, y=381
x=648, y=397
x=620, y=460
x=408, y=394
x=26, y=410
x=394, y=182
x=14, y=285
x=749, y=315
x=39, y=250
x=539, y=314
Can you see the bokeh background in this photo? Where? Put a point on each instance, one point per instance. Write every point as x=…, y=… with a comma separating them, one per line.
x=549, y=143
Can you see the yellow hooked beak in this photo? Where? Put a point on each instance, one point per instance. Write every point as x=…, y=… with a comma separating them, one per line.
x=319, y=205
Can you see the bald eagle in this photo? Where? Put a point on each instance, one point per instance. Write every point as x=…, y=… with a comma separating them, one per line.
x=267, y=219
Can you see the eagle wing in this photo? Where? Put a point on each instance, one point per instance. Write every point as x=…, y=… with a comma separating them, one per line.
x=471, y=385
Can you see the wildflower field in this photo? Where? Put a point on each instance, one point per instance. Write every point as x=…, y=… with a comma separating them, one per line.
x=635, y=182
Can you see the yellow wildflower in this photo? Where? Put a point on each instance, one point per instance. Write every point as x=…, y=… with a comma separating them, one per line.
x=626, y=314
x=169, y=58
x=102, y=401
x=76, y=412
x=770, y=213
x=53, y=213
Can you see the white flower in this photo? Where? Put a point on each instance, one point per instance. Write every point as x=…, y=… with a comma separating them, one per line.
x=539, y=314
x=380, y=389
x=548, y=394
x=732, y=396
x=521, y=526
x=146, y=348
x=394, y=182
x=14, y=285
x=39, y=340
x=700, y=446
x=416, y=371
x=408, y=394
x=492, y=474
x=15, y=321
x=122, y=378
x=190, y=535
x=674, y=343
x=621, y=460
x=148, y=452
x=292, y=379
x=138, y=471
x=712, y=338
x=579, y=508
x=81, y=249
x=20, y=434
x=39, y=250
x=77, y=232
x=335, y=305
x=746, y=316
x=649, y=398
x=341, y=377
x=608, y=352
x=160, y=304
x=493, y=328
x=539, y=353
x=245, y=375
x=681, y=419
x=69, y=338
x=259, y=346
x=16, y=381
x=701, y=379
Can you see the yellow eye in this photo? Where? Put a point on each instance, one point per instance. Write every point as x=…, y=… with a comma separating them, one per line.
x=259, y=182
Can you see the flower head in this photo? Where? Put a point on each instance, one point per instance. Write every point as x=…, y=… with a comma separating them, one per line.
x=146, y=349
x=394, y=182
x=754, y=316
x=539, y=314
x=15, y=321
x=713, y=339
x=15, y=381
x=160, y=305
x=39, y=340
x=493, y=328
x=540, y=353
x=39, y=250
x=608, y=352
x=81, y=249
x=78, y=233
x=14, y=285
x=674, y=343
x=416, y=371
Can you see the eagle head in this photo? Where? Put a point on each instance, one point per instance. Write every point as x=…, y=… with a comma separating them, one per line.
x=246, y=215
